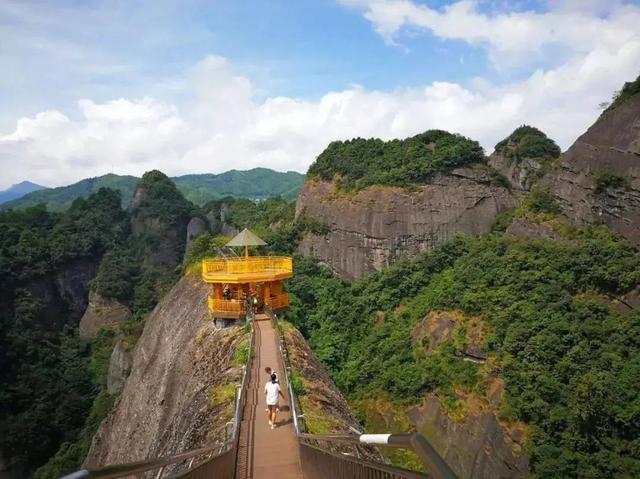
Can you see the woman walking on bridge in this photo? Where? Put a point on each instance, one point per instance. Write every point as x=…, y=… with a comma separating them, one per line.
x=272, y=390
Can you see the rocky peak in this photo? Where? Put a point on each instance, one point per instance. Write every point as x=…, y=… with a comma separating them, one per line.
x=525, y=156
x=598, y=178
x=160, y=215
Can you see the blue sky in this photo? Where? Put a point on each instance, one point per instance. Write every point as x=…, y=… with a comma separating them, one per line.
x=87, y=84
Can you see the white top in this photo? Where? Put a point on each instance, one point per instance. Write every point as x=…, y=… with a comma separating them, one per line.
x=272, y=390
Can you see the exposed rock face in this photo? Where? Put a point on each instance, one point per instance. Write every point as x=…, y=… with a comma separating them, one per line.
x=521, y=174
x=322, y=403
x=72, y=282
x=195, y=228
x=119, y=368
x=472, y=440
x=440, y=326
x=379, y=225
x=100, y=313
x=165, y=405
x=626, y=303
x=63, y=296
x=476, y=446
x=611, y=146
x=526, y=230
x=524, y=156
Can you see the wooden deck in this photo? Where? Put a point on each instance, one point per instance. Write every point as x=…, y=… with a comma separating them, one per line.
x=263, y=452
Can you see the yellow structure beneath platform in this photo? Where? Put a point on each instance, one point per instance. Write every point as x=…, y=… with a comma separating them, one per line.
x=245, y=282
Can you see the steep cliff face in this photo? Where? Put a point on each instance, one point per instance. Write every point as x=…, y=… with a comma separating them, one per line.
x=379, y=225
x=63, y=294
x=475, y=445
x=469, y=436
x=170, y=401
x=119, y=367
x=102, y=312
x=598, y=178
x=195, y=228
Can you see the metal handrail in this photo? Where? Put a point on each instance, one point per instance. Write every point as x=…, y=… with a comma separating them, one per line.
x=433, y=462
x=137, y=467
x=128, y=469
x=284, y=354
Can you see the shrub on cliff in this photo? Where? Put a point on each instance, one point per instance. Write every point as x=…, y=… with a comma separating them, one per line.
x=605, y=180
x=629, y=89
x=359, y=163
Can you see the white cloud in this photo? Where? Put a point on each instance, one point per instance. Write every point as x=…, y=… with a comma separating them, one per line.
x=568, y=23
x=224, y=126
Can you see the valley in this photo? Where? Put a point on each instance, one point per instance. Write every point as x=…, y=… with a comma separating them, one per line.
x=490, y=303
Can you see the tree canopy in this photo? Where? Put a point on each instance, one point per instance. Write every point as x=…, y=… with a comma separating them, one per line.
x=571, y=363
x=359, y=163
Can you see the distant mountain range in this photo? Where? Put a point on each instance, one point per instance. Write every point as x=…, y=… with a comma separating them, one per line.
x=18, y=191
x=257, y=183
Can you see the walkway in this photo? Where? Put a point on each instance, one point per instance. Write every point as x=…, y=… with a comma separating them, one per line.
x=263, y=452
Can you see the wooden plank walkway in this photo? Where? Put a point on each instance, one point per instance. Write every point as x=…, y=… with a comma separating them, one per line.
x=263, y=452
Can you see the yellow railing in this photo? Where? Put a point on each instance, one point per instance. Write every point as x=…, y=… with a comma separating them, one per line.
x=279, y=301
x=253, y=264
x=230, y=306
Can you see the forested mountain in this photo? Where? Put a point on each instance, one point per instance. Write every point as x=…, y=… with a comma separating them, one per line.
x=258, y=183
x=493, y=306
x=61, y=198
x=513, y=347
x=53, y=384
x=18, y=191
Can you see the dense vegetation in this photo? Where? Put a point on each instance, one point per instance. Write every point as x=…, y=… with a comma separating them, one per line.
x=258, y=183
x=48, y=376
x=59, y=199
x=528, y=142
x=53, y=383
x=139, y=270
x=571, y=363
x=359, y=163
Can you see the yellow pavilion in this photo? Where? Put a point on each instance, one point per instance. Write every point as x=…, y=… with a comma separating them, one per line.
x=247, y=281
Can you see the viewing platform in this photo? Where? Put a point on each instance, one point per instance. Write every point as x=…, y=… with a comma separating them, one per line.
x=245, y=282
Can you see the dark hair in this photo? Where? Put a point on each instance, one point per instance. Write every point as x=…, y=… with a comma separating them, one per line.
x=273, y=378
x=267, y=369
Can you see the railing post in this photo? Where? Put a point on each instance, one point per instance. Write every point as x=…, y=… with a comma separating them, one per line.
x=438, y=468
